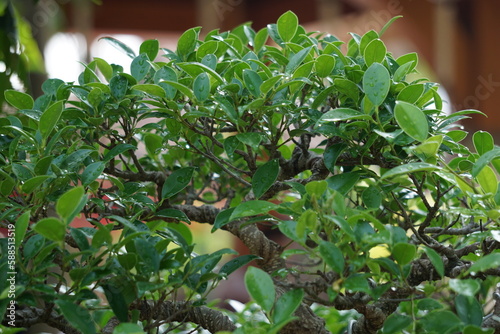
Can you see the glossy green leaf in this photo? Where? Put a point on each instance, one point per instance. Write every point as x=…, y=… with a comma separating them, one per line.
x=118, y=86
x=117, y=150
x=260, y=39
x=195, y=69
x=51, y=228
x=488, y=180
x=150, y=47
x=77, y=316
x=180, y=87
x=429, y=148
x=343, y=182
x=236, y=263
x=333, y=256
x=140, y=67
x=32, y=184
x=395, y=323
x=331, y=155
x=438, y=320
x=375, y=52
x=484, y=263
x=104, y=67
x=92, y=172
x=253, y=81
x=376, y=83
x=483, y=142
x=469, y=310
x=325, y=64
x=287, y=25
x=436, y=260
x=402, y=71
x=316, y=188
x=21, y=228
x=173, y=213
x=19, y=100
x=251, y=139
x=201, y=87
x=116, y=299
x=372, y=197
x=411, y=93
x=222, y=218
x=187, y=43
x=148, y=255
x=297, y=59
x=260, y=287
x=408, y=58
x=286, y=305
x=348, y=88
x=70, y=204
x=50, y=118
x=343, y=114
x=252, y=208
x=153, y=143
x=484, y=160
x=403, y=253
x=120, y=46
x=150, y=89
x=411, y=167
x=466, y=287
x=412, y=120
x=264, y=177
x=177, y=181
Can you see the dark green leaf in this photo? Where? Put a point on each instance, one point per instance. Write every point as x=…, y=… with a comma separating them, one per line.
x=331, y=155
x=251, y=139
x=117, y=150
x=173, y=213
x=120, y=46
x=150, y=89
x=484, y=160
x=92, y=172
x=50, y=118
x=187, y=43
x=436, y=260
x=253, y=81
x=77, y=316
x=252, y=208
x=372, y=197
x=486, y=262
x=325, y=64
x=223, y=218
x=32, y=184
x=376, y=83
x=118, y=86
x=140, y=67
x=438, y=320
x=117, y=301
x=260, y=286
x=286, y=305
x=236, y=263
x=332, y=256
x=395, y=323
x=201, y=87
x=469, y=310
x=177, y=181
x=147, y=254
x=264, y=177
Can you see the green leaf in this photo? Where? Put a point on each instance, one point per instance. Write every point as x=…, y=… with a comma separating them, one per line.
x=343, y=182
x=251, y=139
x=173, y=213
x=104, y=67
x=436, y=260
x=297, y=59
x=183, y=89
x=260, y=39
x=117, y=301
x=153, y=143
x=150, y=89
x=412, y=120
x=147, y=254
x=403, y=253
x=201, y=87
x=325, y=64
x=223, y=218
x=117, y=150
x=92, y=172
x=118, y=86
x=51, y=228
x=402, y=71
x=140, y=67
x=264, y=177
x=348, y=88
x=428, y=150
x=471, y=329
x=372, y=197
x=438, y=320
x=236, y=263
x=50, y=118
x=150, y=47
x=411, y=93
x=375, y=52
x=287, y=25
x=286, y=305
x=484, y=160
x=252, y=208
x=187, y=43
x=408, y=58
x=260, y=287
x=388, y=24
x=331, y=155
x=19, y=100
x=488, y=180
x=77, y=316
x=332, y=256
x=466, y=287
x=376, y=83
x=253, y=81
x=395, y=323
x=195, y=69
x=487, y=262
x=32, y=184
x=411, y=167
x=177, y=181
x=469, y=310
x=21, y=228
x=70, y=204
x=343, y=114
x=120, y=46
x=483, y=142
x=128, y=328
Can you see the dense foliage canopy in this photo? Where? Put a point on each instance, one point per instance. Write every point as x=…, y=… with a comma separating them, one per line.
x=391, y=223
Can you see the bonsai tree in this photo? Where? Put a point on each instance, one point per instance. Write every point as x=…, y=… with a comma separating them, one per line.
x=390, y=223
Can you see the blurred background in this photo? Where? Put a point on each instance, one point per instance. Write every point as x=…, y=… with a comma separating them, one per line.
x=458, y=41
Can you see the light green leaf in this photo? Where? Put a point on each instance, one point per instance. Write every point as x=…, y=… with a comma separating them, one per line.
x=375, y=52
x=51, y=228
x=372, y=197
x=332, y=256
x=484, y=160
x=466, y=287
x=77, y=316
x=187, y=43
x=177, y=181
x=488, y=261
x=69, y=205
x=183, y=89
x=411, y=167
x=483, y=142
x=104, y=67
x=260, y=287
x=403, y=253
x=128, y=328
x=151, y=89
x=140, y=67
x=287, y=26
x=411, y=93
x=412, y=120
x=286, y=305
x=488, y=180
x=19, y=100
x=251, y=139
x=376, y=83
x=402, y=71
x=252, y=208
x=253, y=81
x=264, y=177
x=297, y=59
x=436, y=321
x=469, y=310
x=32, y=184
x=325, y=64
x=21, y=228
x=260, y=39
x=343, y=114
x=50, y=118
x=150, y=47
x=429, y=148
